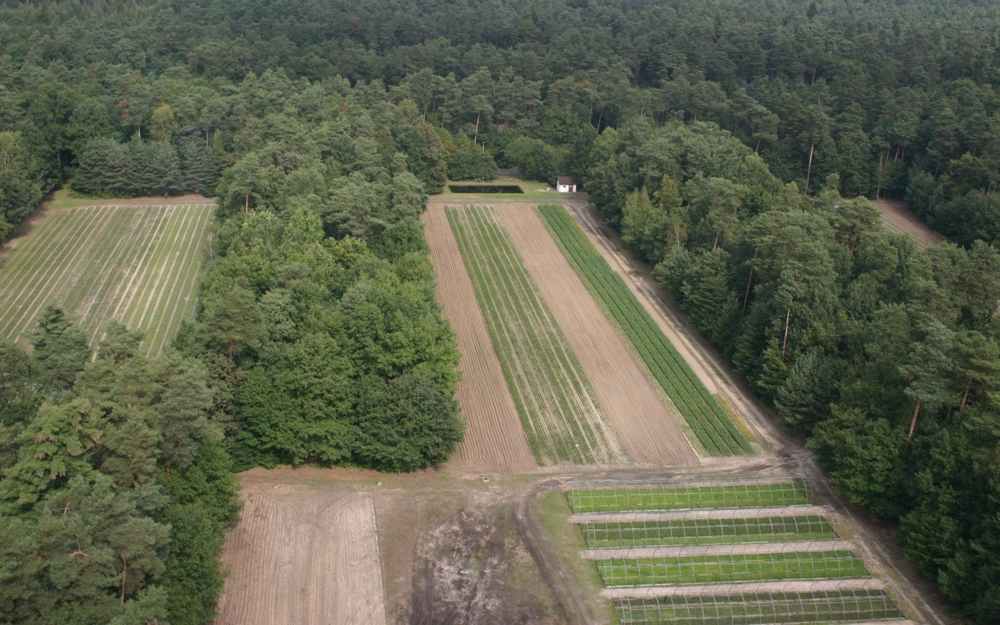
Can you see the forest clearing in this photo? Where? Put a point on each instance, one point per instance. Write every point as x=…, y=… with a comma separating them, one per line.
x=482, y=312
x=135, y=264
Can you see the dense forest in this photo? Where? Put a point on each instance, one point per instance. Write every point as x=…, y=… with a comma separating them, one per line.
x=727, y=140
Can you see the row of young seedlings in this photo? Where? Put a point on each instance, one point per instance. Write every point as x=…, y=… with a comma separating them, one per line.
x=695, y=561
x=712, y=426
x=546, y=382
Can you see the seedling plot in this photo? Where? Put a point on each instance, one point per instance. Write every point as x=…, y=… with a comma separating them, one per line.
x=715, y=431
x=854, y=606
x=561, y=417
x=746, y=495
x=137, y=265
x=770, y=529
x=731, y=568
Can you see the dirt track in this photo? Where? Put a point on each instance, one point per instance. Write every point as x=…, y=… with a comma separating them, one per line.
x=649, y=431
x=494, y=439
x=897, y=217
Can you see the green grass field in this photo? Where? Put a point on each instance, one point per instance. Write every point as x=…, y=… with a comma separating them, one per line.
x=550, y=390
x=748, y=495
x=731, y=568
x=705, y=532
x=712, y=426
x=764, y=609
x=136, y=264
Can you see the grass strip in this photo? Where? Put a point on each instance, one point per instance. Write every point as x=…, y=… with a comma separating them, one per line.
x=731, y=568
x=730, y=496
x=759, y=609
x=705, y=532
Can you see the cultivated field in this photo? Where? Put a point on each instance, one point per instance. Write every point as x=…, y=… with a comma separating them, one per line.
x=559, y=410
x=135, y=264
x=711, y=424
x=494, y=439
x=716, y=553
x=302, y=555
x=647, y=424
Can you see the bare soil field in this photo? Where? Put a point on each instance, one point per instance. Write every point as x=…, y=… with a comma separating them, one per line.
x=494, y=439
x=896, y=216
x=302, y=555
x=647, y=425
x=343, y=546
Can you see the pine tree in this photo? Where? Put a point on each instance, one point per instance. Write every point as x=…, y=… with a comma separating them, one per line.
x=60, y=351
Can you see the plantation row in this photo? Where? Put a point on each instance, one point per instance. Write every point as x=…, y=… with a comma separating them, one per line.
x=731, y=568
x=750, y=495
x=759, y=609
x=561, y=418
x=136, y=265
x=709, y=421
x=731, y=554
x=725, y=531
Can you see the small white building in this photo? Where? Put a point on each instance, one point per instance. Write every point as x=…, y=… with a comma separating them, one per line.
x=566, y=184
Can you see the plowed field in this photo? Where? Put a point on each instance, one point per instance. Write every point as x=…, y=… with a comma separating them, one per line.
x=494, y=439
x=302, y=555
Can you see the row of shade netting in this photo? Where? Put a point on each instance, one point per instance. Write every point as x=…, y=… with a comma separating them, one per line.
x=830, y=605
x=646, y=530
x=701, y=496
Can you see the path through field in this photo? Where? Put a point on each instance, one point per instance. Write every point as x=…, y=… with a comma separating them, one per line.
x=646, y=423
x=494, y=439
x=136, y=264
x=302, y=555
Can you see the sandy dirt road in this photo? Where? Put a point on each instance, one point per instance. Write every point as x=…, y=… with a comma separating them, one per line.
x=302, y=555
x=896, y=216
x=494, y=439
x=648, y=427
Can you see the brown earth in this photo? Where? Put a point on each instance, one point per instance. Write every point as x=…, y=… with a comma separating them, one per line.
x=302, y=555
x=897, y=217
x=494, y=438
x=649, y=430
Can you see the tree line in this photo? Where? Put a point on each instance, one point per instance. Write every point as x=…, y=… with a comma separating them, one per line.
x=116, y=483
x=884, y=356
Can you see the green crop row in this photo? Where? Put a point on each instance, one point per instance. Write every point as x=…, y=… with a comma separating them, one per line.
x=550, y=391
x=731, y=568
x=706, y=532
x=712, y=426
x=762, y=609
x=749, y=495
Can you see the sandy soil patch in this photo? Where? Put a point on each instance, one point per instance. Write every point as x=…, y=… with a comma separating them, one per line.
x=302, y=555
x=494, y=439
x=897, y=217
x=649, y=431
